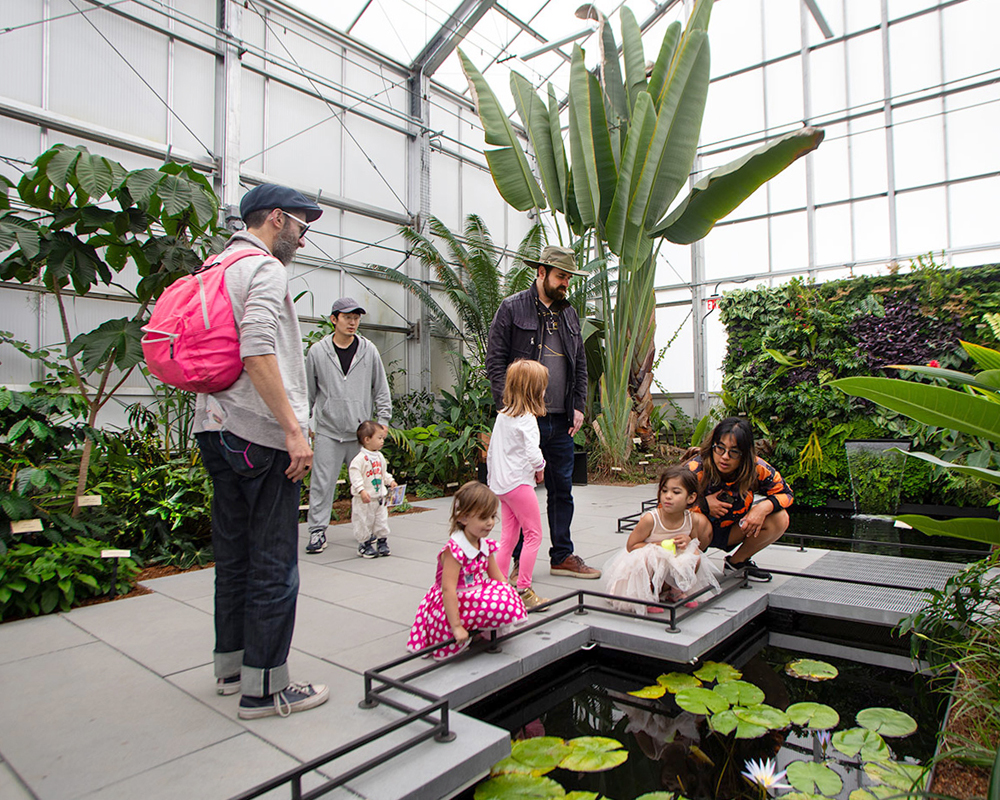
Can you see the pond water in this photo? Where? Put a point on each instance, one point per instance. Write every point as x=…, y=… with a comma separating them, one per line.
x=673, y=750
x=851, y=529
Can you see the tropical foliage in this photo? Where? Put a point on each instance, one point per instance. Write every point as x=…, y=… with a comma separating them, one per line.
x=786, y=343
x=632, y=141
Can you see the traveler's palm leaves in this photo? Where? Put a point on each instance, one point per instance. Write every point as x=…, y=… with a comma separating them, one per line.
x=470, y=276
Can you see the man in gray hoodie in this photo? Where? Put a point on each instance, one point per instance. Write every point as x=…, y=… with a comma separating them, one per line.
x=346, y=383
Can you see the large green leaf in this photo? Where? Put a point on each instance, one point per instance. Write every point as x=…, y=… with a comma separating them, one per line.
x=175, y=194
x=762, y=714
x=637, y=141
x=953, y=375
x=118, y=339
x=994, y=790
x=974, y=529
x=57, y=170
x=876, y=792
x=815, y=716
x=985, y=357
x=93, y=173
x=635, y=61
x=675, y=681
x=593, y=754
x=668, y=46
x=558, y=153
x=509, y=765
x=518, y=787
x=540, y=752
x=895, y=774
x=701, y=701
x=809, y=669
x=726, y=722
x=812, y=777
x=722, y=190
x=24, y=233
x=535, y=118
x=887, y=721
x=508, y=165
x=717, y=671
x=982, y=473
x=869, y=744
x=70, y=258
x=931, y=405
x=650, y=692
x=740, y=693
x=594, y=168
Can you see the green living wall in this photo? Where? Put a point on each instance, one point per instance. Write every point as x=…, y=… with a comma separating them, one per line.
x=786, y=343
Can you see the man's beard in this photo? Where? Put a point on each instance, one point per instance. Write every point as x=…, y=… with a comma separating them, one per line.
x=285, y=244
x=553, y=292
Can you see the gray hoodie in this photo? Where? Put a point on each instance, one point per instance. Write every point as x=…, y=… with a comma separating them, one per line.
x=339, y=402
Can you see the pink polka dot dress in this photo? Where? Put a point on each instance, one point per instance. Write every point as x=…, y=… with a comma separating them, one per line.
x=483, y=604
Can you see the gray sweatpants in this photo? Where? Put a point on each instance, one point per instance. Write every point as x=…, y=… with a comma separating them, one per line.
x=329, y=456
x=370, y=520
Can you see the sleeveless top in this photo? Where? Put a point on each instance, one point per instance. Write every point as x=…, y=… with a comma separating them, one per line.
x=661, y=532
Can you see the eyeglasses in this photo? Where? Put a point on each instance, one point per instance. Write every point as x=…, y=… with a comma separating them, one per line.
x=302, y=222
x=721, y=450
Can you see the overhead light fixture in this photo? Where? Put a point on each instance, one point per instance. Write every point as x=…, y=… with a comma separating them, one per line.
x=553, y=45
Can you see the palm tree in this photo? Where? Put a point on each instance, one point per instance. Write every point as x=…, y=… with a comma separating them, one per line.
x=471, y=276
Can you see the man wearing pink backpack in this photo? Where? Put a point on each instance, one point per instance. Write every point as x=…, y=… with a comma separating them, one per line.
x=253, y=443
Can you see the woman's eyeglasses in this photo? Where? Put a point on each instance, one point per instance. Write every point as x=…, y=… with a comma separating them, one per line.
x=721, y=450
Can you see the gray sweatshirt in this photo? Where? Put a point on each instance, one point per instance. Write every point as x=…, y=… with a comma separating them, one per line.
x=340, y=402
x=268, y=325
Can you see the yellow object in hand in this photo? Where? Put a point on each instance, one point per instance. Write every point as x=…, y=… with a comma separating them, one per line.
x=669, y=544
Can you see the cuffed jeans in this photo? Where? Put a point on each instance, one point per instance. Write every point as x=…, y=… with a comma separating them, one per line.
x=255, y=539
x=557, y=449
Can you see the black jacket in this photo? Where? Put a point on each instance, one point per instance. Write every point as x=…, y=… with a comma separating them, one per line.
x=516, y=333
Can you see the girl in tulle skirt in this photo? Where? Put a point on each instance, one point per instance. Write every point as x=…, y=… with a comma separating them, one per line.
x=662, y=559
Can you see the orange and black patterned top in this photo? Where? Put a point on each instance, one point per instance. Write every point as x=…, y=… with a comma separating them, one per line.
x=769, y=483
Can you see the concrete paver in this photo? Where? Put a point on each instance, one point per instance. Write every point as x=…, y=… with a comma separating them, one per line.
x=32, y=637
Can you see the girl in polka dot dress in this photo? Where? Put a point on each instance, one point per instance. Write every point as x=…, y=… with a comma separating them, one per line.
x=469, y=593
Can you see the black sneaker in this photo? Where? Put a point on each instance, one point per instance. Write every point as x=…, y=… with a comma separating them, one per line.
x=753, y=572
x=367, y=549
x=383, y=547
x=317, y=543
x=294, y=697
x=230, y=685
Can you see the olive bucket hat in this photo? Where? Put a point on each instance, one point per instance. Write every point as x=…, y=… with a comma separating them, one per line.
x=560, y=257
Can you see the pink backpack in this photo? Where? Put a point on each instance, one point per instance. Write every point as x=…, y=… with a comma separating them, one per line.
x=191, y=340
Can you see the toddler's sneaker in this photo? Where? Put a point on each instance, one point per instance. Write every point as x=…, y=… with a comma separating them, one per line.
x=294, y=697
x=383, y=547
x=367, y=549
x=317, y=543
x=530, y=599
x=230, y=685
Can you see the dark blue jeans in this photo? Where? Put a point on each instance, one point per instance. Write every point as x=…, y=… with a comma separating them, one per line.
x=255, y=525
x=557, y=449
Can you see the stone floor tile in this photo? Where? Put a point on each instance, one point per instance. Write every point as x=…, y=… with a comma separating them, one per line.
x=11, y=787
x=323, y=629
x=31, y=637
x=186, y=586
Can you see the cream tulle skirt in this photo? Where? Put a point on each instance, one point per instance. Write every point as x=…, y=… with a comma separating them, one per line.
x=648, y=572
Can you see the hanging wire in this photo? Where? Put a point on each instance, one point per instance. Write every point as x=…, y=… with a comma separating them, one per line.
x=12, y=28
x=166, y=105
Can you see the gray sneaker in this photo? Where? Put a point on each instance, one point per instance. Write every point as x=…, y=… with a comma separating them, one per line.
x=367, y=549
x=294, y=697
x=317, y=543
x=382, y=546
x=230, y=685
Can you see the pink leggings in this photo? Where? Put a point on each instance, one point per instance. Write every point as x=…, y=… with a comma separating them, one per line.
x=520, y=513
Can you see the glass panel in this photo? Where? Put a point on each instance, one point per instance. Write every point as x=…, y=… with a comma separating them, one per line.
x=782, y=27
x=675, y=372
x=861, y=14
x=445, y=189
x=978, y=258
x=828, y=91
x=868, y=159
x=973, y=212
x=833, y=235
x=871, y=229
x=739, y=249
x=972, y=122
x=789, y=242
x=384, y=183
x=339, y=14
x=735, y=34
x=833, y=13
x=673, y=265
x=715, y=351
x=864, y=79
x=915, y=53
x=830, y=165
x=403, y=33
x=735, y=107
x=787, y=189
x=784, y=92
x=918, y=142
x=920, y=222
x=21, y=77
x=298, y=124
x=968, y=31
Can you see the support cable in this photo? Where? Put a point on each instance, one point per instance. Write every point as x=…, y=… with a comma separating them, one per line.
x=13, y=28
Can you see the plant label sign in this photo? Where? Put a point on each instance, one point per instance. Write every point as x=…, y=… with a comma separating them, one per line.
x=26, y=526
x=89, y=500
x=116, y=554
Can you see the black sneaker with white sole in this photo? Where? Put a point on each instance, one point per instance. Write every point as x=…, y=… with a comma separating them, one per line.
x=317, y=543
x=368, y=549
x=230, y=685
x=382, y=547
x=294, y=697
x=753, y=572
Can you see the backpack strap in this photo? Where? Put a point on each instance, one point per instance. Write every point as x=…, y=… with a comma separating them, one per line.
x=232, y=258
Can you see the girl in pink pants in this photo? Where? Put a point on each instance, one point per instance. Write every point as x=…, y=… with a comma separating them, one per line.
x=514, y=465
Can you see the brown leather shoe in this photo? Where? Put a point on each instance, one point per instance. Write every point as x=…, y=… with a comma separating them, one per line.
x=574, y=567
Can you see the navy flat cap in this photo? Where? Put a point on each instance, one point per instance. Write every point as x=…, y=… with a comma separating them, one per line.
x=270, y=195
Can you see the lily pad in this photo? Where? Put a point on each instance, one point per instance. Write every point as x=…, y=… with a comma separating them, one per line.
x=540, y=753
x=593, y=754
x=650, y=692
x=874, y=793
x=895, y=774
x=887, y=721
x=675, y=681
x=726, y=722
x=869, y=744
x=810, y=670
x=770, y=717
x=519, y=787
x=740, y=693
x=803, y=796
x=701, y=701
x=661, y=796
x=721, y=673
x=582, y=795
x=813, y=778
x=506, y=766
x=816, y=716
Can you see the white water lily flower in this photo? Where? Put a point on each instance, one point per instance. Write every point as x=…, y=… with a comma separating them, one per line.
x=763, y=774
x=824, y=738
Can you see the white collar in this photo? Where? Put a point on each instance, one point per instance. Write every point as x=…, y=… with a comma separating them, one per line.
x=470, y=551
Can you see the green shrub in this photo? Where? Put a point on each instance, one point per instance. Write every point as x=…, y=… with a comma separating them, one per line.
x=38, y=580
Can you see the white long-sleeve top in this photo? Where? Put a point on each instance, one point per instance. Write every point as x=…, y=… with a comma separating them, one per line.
x=368, y=470
x=514, y=455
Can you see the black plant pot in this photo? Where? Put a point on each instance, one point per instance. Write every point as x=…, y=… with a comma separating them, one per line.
x=580, y=467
